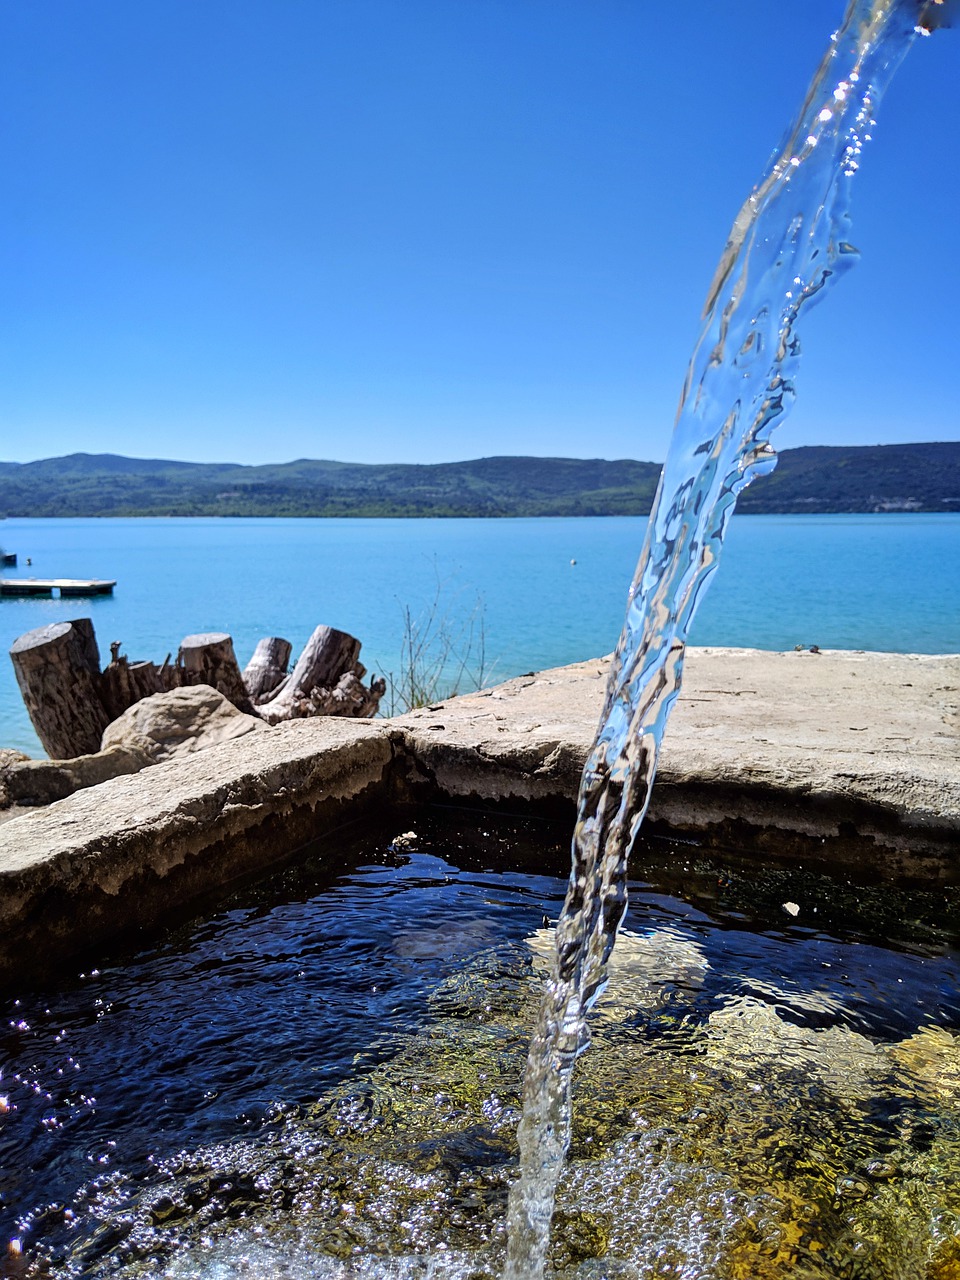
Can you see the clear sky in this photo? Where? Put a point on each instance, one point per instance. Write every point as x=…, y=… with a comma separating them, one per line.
x=427, y=230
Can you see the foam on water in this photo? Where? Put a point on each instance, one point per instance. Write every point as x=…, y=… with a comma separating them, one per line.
x=252, y=1255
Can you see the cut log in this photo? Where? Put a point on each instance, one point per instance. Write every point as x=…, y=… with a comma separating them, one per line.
x=327, y=656
x=58, y=671
x=208, y=658
x=267, y=668
x=123, y=683
x=70, y=701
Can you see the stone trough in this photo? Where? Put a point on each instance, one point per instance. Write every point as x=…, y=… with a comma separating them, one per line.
x=839, y=758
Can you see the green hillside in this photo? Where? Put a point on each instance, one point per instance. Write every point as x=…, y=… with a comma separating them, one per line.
x=890, y=477
x=913, y=477
x=106, y=485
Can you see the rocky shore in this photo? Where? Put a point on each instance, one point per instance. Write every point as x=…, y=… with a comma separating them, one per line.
x=845, y=758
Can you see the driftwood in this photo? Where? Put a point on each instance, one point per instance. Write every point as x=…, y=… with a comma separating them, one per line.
x=348, y=697
x=267, y=668
x=327, y=680
x=208, y=658
x=58, y=671
x=71, y=701
x=122, y=683
x=325, y=657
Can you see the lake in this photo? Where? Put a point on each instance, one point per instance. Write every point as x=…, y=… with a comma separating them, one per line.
x=538, y=592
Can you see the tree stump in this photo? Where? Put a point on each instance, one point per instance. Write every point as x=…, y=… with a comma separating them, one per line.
x=327, y=656
x=349, y=697
x=208, y=658
x=70, y=701
x=267, y=668
x=122, y=683
x=58, y=671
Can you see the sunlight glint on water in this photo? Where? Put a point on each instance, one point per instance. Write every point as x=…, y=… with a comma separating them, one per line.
x=787, y=244
x=333, y=1079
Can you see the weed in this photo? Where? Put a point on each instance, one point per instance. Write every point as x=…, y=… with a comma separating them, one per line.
x=441, y=655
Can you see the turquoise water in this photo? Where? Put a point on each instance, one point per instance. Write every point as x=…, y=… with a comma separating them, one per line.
x=888, y=582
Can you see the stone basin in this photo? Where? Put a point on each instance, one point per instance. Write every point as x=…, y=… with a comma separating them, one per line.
x=846, y=758
x=771, y=1080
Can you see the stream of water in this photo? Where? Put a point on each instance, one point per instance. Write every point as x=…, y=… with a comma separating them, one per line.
x=787, y=244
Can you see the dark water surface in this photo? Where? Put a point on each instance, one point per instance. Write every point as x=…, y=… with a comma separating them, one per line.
x=380, y=993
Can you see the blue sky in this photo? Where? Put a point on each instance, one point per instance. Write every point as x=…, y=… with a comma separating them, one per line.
x=426, y=230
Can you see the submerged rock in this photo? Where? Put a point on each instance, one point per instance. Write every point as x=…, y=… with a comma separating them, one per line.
x=747, y=1035
x=646, y=973
x=932, y=1057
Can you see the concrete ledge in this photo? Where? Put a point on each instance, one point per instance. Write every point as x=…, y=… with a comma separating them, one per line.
x=854, y=757
x=113, y=860
x=850, y=757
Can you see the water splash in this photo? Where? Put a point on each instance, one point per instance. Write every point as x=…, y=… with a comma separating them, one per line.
x=787, y=244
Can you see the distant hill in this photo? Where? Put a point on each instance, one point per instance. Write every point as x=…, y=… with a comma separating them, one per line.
x=888, y=477
x=905, y=477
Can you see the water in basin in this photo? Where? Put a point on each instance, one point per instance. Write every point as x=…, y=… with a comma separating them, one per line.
x=322, y=1075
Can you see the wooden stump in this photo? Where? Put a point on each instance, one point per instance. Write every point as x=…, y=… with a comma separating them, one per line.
x=58, y=671
x=208, y=658
x=71, y=702
x=327, y=656
x=122, y=683
x=349, y=697
x=267, y=668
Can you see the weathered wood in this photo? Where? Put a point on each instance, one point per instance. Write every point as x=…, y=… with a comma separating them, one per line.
x=122, y=683
x=349, y=697
x=87, y=640
x=70, y=701
x=58, y=671
x=327, y=656
x=208, y=658
x=267, y=668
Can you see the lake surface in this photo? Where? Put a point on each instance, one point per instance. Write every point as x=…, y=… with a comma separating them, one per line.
x=885, y=582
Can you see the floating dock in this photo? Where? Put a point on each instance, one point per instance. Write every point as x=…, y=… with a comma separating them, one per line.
x=47, y=586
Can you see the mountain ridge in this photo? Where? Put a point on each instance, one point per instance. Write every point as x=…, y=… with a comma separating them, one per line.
x=812, y=478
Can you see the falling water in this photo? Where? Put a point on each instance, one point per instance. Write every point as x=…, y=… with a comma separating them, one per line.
x=787, y=244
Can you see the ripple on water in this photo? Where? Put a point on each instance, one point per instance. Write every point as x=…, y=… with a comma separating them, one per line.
x=761, y=1099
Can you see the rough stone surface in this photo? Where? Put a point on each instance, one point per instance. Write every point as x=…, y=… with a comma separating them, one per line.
x=8, y=758
x=775, y=750
x=39, y=782
x=179, y=723
x=851, y=756
x=112, y=860
x=159, y=727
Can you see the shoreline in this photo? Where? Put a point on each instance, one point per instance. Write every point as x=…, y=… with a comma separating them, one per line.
x=882, y=511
